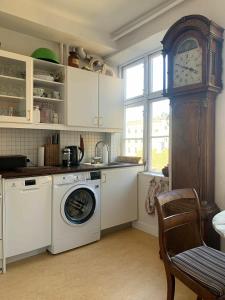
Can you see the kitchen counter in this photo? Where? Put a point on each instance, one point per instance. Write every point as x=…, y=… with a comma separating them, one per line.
x=48, y=170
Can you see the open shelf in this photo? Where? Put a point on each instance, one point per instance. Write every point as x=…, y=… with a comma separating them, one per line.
x=48, y=82
x=47, y=99
x=12, y=97
x=11, y=78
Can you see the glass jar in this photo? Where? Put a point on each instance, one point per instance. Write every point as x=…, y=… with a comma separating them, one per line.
x=73, y=59
x=36, y=114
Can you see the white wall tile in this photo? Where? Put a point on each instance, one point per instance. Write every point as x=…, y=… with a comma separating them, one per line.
x=27, y=141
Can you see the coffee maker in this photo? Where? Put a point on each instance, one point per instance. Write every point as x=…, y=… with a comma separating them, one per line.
x=73, y=155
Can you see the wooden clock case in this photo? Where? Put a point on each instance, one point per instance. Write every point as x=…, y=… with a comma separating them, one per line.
x=193, y=115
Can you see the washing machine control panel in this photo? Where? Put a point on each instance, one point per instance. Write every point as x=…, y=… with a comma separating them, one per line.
x=79, y=177
x=71, y=178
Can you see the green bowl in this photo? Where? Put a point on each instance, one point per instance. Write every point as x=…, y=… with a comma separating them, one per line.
x=45, y=54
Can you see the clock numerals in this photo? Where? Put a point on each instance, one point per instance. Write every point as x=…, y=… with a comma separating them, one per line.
x=188, y=67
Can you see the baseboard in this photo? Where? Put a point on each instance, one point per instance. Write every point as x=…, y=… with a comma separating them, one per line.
x=151, y=229
x=25, y=255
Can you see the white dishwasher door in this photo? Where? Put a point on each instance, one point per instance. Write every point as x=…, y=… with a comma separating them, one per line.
x=27, y=214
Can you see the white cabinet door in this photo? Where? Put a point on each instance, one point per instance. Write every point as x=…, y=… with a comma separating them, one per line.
x=110, y=102
x=82, y=98
x=119, y=196
x=16, y=79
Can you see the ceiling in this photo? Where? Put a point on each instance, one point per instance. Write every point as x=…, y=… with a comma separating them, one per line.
x=93, y=24
x=104, y=15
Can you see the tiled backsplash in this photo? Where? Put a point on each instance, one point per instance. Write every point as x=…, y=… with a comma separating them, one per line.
x=90, y=139
x=22, y=141
x=27, y=141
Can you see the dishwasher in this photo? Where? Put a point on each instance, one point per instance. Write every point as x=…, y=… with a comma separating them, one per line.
x=27, y=214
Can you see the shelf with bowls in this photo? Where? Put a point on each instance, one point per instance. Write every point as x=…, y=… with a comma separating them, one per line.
x=45, y=82
x=39, y=98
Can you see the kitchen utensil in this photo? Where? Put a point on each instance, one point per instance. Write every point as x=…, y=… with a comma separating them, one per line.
x=51, y=155
x=37, y=91
x=81, y=143
x=45, y=54
x=56, y=94
x=66, y=157
x=44, y=77
x=77, y=155
x=11, y=162
x=55, y=118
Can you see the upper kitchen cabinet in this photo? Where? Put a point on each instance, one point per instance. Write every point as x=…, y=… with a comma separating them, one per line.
x=82, y=98
x=15, y=87
x=93, y=100
x=110, y=102
x=49, y=91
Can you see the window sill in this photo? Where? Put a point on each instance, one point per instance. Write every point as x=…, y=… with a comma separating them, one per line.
x=152, y=174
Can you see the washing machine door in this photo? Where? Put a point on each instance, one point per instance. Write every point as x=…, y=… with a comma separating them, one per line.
x=78, y=206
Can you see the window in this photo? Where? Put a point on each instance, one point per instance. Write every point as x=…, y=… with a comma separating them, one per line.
x=156, y=73
x=159, y=135
x=146, y=131
x=134, y=80
x=134, y=131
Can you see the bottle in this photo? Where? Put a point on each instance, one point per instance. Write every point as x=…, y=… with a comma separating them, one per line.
x=73, y=59
x=105, y=154
x=55, y=118
x=36, y=114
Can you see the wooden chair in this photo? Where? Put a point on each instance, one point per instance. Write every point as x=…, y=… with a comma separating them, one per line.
x=182, y=249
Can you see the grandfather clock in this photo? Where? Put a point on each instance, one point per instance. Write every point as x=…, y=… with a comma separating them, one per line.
x=192, y=50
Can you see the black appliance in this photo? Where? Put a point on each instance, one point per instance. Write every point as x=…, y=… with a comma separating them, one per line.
x=12, y=162
x=76, y=155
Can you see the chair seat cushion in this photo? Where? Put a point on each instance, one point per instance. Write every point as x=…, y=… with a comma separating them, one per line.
x=204, y=264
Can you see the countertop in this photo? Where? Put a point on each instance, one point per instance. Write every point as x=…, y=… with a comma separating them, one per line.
x=48, y=170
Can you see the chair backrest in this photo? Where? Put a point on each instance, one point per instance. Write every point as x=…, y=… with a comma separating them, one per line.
x=179, y=222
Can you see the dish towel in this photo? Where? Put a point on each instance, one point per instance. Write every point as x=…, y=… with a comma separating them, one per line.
x=156, y=186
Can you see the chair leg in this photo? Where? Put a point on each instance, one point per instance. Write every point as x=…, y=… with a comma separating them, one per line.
x=170, y=287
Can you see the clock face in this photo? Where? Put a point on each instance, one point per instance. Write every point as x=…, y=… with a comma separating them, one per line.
x=187, y=66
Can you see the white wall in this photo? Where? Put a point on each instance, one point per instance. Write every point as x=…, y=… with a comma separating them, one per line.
x=14, y=41
x=214, y=10
x=147, y=223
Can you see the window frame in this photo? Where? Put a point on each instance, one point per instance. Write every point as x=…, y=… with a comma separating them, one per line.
x=132, y=64
x=150, y=136
x=146, y=100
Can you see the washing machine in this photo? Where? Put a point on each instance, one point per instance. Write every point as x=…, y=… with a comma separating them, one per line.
x=75, y=210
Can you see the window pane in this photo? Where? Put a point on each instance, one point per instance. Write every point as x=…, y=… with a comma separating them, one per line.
x=159, y=153
x=134, y=148
x=160, y=118
x=157, y=73
x=134, y=122
x=134, y=81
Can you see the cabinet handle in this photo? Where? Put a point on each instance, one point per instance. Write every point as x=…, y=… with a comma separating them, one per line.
x=100, y=121
x=104, y=178
x=28, y=113
x=95, y=121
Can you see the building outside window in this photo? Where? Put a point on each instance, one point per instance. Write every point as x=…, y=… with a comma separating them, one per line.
x=146, y=132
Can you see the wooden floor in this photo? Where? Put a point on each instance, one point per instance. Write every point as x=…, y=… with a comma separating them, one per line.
x=122, y=266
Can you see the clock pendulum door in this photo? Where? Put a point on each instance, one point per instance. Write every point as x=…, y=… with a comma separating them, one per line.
x=193, y=48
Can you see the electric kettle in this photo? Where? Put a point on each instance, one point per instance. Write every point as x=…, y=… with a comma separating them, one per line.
x=76, y=155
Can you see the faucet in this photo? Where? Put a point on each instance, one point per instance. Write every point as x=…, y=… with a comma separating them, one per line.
x=105, y=154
